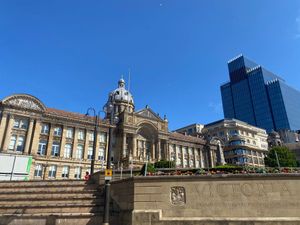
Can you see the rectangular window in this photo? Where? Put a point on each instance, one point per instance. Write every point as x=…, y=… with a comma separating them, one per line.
x=45, y=129
x=101, y=155
x=55, y=149
x=20, y=123
x=16, y=123
x=68, y=150
x=42, y=147
x=79, y=152
x=20, y=144
x=103, y=137
x=57, y=131
x=81, y=135
x=69, y=133
x=77, y=174
x=65, y=172
x=52, y=171
x=90, y=153
x=12, y=143
x=38, y=171
x=23, y=124
x=91, y=136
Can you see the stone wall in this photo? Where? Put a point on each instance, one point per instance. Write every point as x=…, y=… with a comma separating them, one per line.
x=210, y=200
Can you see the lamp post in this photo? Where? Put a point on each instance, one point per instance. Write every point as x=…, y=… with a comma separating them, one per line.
x=95, y=136
x=277, y=160
x=108, y=109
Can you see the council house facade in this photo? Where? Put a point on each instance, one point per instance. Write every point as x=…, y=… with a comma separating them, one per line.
x=61, y=142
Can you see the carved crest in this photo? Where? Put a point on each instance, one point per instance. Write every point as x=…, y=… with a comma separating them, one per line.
x=24, y=101
x=178, y=196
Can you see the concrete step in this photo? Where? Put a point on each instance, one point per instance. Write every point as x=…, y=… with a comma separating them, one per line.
x=52, y=218
x=42, y=183
x=52, y=208
x=38, y=189
x=51, y=197
x=48, y=195
x=34, y=202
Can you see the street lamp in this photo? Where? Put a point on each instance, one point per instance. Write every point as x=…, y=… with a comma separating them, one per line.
x=108, y=109
x=97, y=116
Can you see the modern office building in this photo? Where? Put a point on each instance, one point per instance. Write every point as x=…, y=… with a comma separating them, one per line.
x=259, y=97
x=61, y=143
x=244, y=144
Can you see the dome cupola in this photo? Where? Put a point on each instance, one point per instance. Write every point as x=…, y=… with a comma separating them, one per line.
x=121, y=98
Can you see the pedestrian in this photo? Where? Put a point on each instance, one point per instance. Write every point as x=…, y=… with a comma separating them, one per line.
x=87, y=176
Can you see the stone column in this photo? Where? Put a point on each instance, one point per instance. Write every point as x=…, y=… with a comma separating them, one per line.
x=137, y=149
x=28, y=136
x=195, y=159
x=63, y=141
x=175, y=152
x=2, y=128
x=164, y=154
x=201, y=158
x=144, y=151
x=75, y=142
x=124, y=149
x=134, y=147
x=50, y=140
x=182, y=156
x=98, y=147
x=188, y=154
x=71, y=172
x=153, y=150
x=36, y=138
x=211, y=158
x=168, y=151
x=158, y=156
x=8, y=133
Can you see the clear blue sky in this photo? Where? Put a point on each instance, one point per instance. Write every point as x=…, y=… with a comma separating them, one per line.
x=71, y=53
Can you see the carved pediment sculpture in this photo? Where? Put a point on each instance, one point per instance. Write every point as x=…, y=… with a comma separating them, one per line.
x=148, y=113
x=24, y=101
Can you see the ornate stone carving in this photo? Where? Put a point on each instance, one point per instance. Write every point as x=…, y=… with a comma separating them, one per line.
x=148, y=113
x=178, y=196
x=24, y=101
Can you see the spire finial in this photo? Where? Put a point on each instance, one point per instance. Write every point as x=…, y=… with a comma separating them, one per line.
x=121, y=82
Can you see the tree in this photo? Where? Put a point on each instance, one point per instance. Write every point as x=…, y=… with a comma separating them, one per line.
x=286, y=158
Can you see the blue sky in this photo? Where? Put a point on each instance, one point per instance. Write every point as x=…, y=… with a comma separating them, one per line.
x=71, y=53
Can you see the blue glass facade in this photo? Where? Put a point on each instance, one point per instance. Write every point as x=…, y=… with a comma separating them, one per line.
x=259, y=97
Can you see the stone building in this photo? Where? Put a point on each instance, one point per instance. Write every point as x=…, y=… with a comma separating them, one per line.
x=243, y=143
x=61, y=143
x=193, y=129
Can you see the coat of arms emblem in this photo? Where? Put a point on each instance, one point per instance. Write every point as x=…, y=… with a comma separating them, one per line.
x=178, y=195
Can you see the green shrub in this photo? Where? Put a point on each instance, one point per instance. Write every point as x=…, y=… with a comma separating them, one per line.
x=150, y=169
x=164, y=164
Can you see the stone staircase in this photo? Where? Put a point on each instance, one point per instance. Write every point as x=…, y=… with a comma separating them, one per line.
x=51, y=202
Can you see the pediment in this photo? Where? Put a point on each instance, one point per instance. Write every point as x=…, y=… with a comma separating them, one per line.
x=24, y=101
x=148, y=113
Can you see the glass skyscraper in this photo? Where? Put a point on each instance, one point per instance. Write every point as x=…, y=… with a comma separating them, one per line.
x=259, y=97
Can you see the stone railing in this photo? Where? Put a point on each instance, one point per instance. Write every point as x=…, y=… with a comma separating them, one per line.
x=211, y=200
